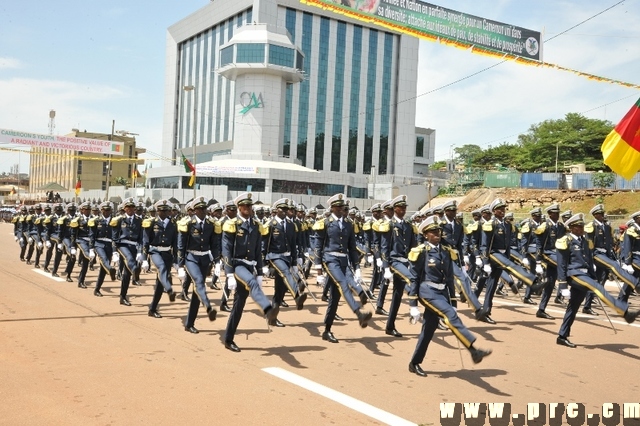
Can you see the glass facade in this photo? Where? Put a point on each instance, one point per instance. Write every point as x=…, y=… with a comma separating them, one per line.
x=250, y=53
x=419, y=146
x=226, y=56
x=354, y=99
x=279, y=55
x=371, y=99
x=338, y=90
x=386, y=103
x=307, y=188
x=303, y=110
x=290, y=24
x=321, y=97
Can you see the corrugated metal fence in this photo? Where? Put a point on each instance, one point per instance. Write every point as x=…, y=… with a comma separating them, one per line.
x=553, y=181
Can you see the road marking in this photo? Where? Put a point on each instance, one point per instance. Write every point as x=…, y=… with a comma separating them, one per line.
x=38, y=271
x=339, y=397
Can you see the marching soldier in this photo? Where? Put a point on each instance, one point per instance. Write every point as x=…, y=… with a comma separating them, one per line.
x=67, y=243
x=335, y=249
x=494, y=252
x=529, y=248
x=38, y=234
x=471, y=243
x=381, y=226
x=475, y=240
x=231, y=211
x=83, y=227
x=103, y=245
x=576, y=268
x=52, y=235
x=18, y=221
x=281, y=253
x=196, y=251
x=30, y=233
x=127, y=238
x=160, y=244
x=241, y=253
x=630, y=254
x=215, y=214
x=395, y=245
x=434, y=289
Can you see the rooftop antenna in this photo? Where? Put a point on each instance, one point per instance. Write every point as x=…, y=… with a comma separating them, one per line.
x=52, y=121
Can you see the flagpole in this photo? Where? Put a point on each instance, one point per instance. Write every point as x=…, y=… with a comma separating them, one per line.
x=192, y=88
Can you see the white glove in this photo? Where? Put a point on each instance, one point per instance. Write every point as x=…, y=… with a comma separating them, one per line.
x=487, y=268
x=265, y=270
x=318, y=267
x=465, y=259
x=478, y=262
x=216, y=270
x=300, y=262
x=306, y=254
x=231, y=283
x=387, y=274
x=39, y=245
x=628, y=268
x=594, y=267
x=525, y=262
x=320, y=280
x=30, y=240
x=145, y=265
x=59, y=247
x=181, y=273
x=73, y=251
x=356, y=274
x=210, y=255
x=16, y=238
x=259, y=279
x=115, y=258
x=370, y=259
x=47, y=244
x=565, y=293
x=415, y=313
x=379, y=263
x=139, y=257
x=539, y=269
x=92, y=254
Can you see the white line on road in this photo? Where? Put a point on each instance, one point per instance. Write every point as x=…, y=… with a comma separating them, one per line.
x=38, y=271
x=339, y=397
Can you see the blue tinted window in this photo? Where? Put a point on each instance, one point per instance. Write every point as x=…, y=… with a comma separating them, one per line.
x=290, y=23
x=226, y=56
x=250, y=53
x=279, y=55
x=321, y=101
x=419, y=146
x=354, y=99
x=303, y=113
x=386, y=103
x=338, y=89
x=370, y=99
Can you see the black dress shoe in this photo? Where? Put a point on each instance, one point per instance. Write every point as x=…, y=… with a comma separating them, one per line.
x=172, y=295
x=478, y=354
x=214, y=286
x=55, y=275
x=191, y=329
x=276, y=323
x=488, y=320
x=481, y=314
x=225, y=308
x=589, y=311
x=284, y=304
x=97, y=293
x=382, y=311
x=154, y=314
x=543, y=314
x=463, y=299
x=537, y=285
x=45, y=269
x=528, y=301
x=369, y=294
x=300, y=301
x=232, y=346
x=36, y=266
x=338, y=318
x=28, y=262
x=393, y=332
x=184, y=296
x=82, y=285
x=630, y=316
x=112, y=274
x=514, y=288
x=329, y=337
x=272, y=314
x=500, y=292
x=363, y=317
x=136, y=282
x=324, y=298
x=564, y=342
x=211, y=313
x=124, y=301
x=363, y=298
x=415, y=368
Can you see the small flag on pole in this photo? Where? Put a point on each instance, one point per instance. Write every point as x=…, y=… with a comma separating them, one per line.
x=188, y=167
x=621, y=148
x=78, y=186
x=13, y=190
x=135, y=174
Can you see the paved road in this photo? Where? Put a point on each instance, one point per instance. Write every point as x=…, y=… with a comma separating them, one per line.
x=67, y=357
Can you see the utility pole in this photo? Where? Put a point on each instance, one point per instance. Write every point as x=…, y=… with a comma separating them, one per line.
x=113, y=126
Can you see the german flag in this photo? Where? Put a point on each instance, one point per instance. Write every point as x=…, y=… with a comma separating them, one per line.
x=621, y=148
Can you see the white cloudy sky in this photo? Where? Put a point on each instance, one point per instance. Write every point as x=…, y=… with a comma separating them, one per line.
x=94, y=62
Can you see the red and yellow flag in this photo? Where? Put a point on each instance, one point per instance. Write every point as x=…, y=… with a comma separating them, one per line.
x=78, y=187
x=135, y=174
x=621, y=148
x=188, y=167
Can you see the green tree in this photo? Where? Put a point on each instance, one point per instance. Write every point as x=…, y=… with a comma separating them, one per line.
x=122, y=181
x=467, y=153
x=503, y=155
x=438, y=165
x=603, y=180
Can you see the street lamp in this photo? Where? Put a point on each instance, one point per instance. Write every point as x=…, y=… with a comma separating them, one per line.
x=195, y=110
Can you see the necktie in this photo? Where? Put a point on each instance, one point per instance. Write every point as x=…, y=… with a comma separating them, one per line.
x=340, y=223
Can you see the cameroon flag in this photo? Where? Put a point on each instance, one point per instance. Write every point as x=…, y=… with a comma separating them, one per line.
x=621, y=148
x=188, y=167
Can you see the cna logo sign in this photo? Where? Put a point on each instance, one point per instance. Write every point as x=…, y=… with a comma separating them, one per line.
x=250, y=100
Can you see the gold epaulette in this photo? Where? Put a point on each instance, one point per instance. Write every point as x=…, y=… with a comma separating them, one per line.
x=632, y=231
x=318, y=226
x=295, y=227
x=526, y=228
x=183, y=224
x=415, y=229
x=366, y=226
x=92, y=222
x=356, y=228
x=541, y=228
x=415, y=252
x=217, y=227
x=562, y=243
x=60, y=221
x=230, y=226
x=74, y=223
x=472, y=227
x=591, y=244
x=29, y=217
x=589, y=228
x=264, y=230
x=487, y=226
x=303, y=226
x=147, y=223
x=37, y=221
x=47, y=219
x=382, y=226
x=114, y=221
x=14, y=219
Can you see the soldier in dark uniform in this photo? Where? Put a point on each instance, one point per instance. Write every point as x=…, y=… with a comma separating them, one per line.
x=83, y=226
x=475, y=240
x=469, y=243
x=242, y=257
x=630, y=254
x=160, y=243
x=434, y=289
x=452, y=238
x=18, y=221
x=494, y=252
x=335, y=248
x=281, y=252
x=231, y=211
x=30, y=233
x=380, y=227
x=576, y=268
x=196, y=250
x=395, y=245
x=215, y=214
x=529, y=248
x=68, y=242
x=51, y=236
x=103, y=246
x=38, y=234
x=127, y=238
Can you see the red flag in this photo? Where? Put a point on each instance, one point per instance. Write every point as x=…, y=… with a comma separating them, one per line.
x=78, y=186
x=188, y=167
x=621, y=148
